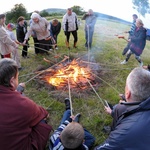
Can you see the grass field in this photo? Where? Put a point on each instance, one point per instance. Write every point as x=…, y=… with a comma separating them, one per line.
x=107, y=49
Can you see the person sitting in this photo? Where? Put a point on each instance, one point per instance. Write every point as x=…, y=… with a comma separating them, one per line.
x=70, y=134
x=23, y=122
x=132, y=127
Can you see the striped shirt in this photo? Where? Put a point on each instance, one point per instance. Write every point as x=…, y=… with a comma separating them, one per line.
x=55, y=142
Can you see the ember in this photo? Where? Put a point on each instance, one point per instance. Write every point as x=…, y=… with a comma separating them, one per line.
x=76, y=72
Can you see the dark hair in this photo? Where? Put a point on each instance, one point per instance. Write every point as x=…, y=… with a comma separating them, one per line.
x=2, y=16
x=135, y=15
x=8, y=69
x=20, y=19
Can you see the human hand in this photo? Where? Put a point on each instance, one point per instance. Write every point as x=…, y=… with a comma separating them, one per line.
x=22, y=84
x=108, y=110
x=48, y=38
x=145, y=67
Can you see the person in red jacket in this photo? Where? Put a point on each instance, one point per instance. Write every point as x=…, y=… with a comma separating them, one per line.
x=23, y=123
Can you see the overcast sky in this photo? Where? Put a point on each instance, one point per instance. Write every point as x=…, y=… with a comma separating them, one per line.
x=118, y=8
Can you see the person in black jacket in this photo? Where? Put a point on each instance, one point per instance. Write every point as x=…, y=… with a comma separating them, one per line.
x=21, y=31
x=55, y=27
x=137, y=42
x=132, y=127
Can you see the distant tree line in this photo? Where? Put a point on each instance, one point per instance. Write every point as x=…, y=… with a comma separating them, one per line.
x=20, y=10
x=142, y=7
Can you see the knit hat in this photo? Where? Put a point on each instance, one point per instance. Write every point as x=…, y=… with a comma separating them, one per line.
x=35, y=15
x=2, y=16
x=10, y=25
x=72, y=136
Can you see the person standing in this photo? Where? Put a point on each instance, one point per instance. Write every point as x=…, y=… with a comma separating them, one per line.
x=23, y=122
x=131, y=32
x=34, y=36
x=55, y=27
x=21, y=31
x=90, y=20
x=137, y=42
x=132, y=127
x=70, y=25
x=15, y=54
x=42, y=28
x=6, y=44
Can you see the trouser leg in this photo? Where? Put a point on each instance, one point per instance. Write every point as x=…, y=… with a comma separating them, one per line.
x=128, y=55
x=66, y=116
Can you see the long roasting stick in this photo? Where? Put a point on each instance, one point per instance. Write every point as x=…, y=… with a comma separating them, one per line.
x=45, y=70
x=95, y=91
x=70, y=96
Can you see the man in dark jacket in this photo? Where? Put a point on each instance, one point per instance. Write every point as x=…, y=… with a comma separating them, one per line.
x=90, y=20
x=23, y=123
x=21, y=31
x=132, y=128
x=55, y=27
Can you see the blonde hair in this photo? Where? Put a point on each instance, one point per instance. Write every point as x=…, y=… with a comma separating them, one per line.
x=139, y=21
x=72, y=136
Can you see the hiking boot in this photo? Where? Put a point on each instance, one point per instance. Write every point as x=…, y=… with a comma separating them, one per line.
x=67, y=103
x=123, y=62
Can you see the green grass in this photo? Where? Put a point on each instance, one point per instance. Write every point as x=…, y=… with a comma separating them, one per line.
x=107, y=49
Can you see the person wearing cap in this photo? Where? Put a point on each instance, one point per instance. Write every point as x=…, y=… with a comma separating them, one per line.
x=21, y=31
x=15, y=54
x=70, y=134
x=70, y=25
x=90, y=21
x=55, y=27
x=42, y=28
x=137, y=42
x=7, y=45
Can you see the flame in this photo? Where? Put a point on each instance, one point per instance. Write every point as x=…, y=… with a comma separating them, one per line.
x=72, y=71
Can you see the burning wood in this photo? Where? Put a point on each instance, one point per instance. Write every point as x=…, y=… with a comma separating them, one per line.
x=76, y=71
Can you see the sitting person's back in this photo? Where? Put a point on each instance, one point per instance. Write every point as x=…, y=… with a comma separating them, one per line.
x=21, y=126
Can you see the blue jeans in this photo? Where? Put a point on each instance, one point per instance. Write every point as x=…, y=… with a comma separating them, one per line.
x=89, y=138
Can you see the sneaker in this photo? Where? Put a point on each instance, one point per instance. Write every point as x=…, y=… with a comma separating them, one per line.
x=50, y=49
x=123, y=62
x=67, y=103
x=77, y=117
x=56, y=48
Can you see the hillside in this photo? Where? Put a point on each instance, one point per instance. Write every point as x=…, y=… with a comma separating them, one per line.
x=100, y=15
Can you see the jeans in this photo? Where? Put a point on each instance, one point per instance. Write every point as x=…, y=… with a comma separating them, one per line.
x=88, y=137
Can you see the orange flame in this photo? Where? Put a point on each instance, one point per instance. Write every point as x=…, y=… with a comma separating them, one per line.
x=73, y=71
